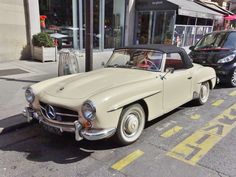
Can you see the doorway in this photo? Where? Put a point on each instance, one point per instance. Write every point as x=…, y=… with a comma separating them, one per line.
x=154, y=27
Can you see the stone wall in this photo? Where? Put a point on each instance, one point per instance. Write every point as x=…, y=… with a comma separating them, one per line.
x=13, y=32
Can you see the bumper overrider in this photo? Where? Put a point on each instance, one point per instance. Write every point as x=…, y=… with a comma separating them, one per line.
x=75, y=127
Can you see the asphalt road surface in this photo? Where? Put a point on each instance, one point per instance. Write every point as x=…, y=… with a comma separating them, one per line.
x=191, y=141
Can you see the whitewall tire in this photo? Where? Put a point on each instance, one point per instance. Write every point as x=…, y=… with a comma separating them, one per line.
x=204, y=93
x=131, y=124
x=233, y=78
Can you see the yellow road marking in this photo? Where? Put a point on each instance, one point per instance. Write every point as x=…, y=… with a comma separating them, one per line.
x=195, y=116
x=194, y=147
x=233, y=93
x=218, y=102
x=171, y=131
x=127, y=160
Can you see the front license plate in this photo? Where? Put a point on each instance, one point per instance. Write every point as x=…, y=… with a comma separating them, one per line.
x=52, y=129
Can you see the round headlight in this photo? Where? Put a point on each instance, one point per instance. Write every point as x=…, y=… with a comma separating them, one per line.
x=88, y=110
x=29, y=95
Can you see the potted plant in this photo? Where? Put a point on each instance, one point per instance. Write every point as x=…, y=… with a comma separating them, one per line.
x=44, y=49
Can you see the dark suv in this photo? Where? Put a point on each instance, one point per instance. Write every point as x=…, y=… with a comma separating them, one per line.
x=217, y=50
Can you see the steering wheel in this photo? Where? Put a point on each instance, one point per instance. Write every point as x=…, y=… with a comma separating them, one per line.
x=148, y=64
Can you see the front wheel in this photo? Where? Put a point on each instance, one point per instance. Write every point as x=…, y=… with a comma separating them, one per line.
x=233, y=78
x=204, y=93
x=131, y=124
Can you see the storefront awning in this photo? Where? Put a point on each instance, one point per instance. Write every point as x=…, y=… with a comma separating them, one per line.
x=215, y=7
x=192, y=9
x=230, y=17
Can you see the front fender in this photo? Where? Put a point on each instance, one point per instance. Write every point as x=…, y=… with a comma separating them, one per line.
x=109, y=104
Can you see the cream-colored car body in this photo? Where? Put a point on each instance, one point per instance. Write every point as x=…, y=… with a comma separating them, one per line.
x=112, y=89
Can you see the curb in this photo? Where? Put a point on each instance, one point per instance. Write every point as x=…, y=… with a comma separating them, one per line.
x=13, y=123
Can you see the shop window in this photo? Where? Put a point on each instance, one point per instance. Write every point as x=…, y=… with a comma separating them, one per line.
x=201, y=21
x=96, y=23
x=59, y=20
x=191, y=21
x=189, y=35
x=181, y=20
x=179, y=36
x=143, y=28
x=209, y=22
x=114, y=23
x=67, y=17
x=154, y=27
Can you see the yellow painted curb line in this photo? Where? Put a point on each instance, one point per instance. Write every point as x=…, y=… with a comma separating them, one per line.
x=171, y=132
x=193, y=148
x=127, y=160
x=195, y=117
x=218, y=102
x=233, y=93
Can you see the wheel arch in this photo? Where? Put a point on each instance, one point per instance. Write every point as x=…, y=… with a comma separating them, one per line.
x=143, y=104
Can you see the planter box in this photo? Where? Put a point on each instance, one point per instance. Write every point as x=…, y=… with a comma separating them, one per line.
x=45, y=53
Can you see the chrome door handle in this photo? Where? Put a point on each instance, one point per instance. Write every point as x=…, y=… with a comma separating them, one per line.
x=190, y=77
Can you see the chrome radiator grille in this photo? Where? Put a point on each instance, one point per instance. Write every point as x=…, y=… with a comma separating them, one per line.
x=57, y=113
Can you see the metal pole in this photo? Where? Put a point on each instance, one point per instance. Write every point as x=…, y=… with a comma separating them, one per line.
x=81, y=28
x=75, y=24
x=89, y=36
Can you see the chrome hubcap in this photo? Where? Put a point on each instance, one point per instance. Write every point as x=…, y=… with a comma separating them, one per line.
x=204, y=93
x=131, y=124
x=233, y=79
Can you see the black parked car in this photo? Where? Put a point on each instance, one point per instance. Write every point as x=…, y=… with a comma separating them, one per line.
x=218, y=50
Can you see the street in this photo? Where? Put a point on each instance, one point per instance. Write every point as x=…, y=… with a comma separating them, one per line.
x=191, y=141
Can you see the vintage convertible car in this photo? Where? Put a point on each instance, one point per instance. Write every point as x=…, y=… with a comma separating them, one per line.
x=138, y=84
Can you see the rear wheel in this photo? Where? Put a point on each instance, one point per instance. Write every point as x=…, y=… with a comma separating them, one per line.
x=131, y=124
x=204, y=93
x=233, y=78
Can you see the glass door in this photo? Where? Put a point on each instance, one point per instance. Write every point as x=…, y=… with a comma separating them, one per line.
x=154, y=27
x=144, y=28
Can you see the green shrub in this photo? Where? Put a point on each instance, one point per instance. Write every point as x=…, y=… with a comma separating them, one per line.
x=42, y=39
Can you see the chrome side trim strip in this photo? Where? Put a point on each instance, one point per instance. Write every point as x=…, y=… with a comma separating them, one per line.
x=114, y=109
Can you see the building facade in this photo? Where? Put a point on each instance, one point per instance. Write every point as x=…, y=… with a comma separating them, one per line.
x=116, y=23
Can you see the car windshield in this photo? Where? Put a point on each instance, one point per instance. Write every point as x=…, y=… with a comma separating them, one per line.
x=136, y=59
x=212, y=41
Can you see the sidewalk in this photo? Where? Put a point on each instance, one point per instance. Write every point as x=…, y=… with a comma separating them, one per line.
x=15, y=77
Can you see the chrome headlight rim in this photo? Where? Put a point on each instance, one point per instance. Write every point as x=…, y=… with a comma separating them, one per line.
x=29, y=95
x=88, y=110
x=227, y=59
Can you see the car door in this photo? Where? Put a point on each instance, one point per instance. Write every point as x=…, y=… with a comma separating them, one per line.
x=177, y=85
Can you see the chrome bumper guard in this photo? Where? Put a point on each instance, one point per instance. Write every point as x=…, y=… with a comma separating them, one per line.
x=80, y=133
x=30, y=114
x=93, y=134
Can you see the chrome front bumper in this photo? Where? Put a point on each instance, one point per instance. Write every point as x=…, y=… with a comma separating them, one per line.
x=77, y=128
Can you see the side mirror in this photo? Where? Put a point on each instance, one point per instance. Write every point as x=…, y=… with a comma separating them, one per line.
x=170, y=70
x=191, y=47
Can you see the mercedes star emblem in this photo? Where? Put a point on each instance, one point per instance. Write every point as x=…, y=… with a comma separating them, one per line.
x=50, y=112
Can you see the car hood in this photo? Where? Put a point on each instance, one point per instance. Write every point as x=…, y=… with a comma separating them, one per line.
x=87, y=84
x=209, y=56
